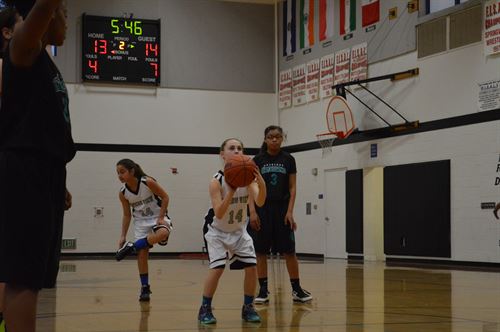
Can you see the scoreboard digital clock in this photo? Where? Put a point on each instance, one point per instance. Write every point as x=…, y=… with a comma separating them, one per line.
x=118, y=49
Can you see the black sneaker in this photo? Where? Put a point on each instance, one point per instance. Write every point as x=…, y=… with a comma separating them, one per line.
x=301, y=295
x=262, y=297
x=145, y=291
x=124, y=251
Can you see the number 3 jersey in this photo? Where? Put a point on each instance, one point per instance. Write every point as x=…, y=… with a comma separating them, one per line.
x=276, y=170
x=236, y=214
x=144, y=203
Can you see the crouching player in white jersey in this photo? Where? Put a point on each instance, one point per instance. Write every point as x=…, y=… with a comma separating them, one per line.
x=148, y=202
x=226, y=237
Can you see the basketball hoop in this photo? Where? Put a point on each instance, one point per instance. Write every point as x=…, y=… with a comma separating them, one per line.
x=339, y=117
x=339, y=121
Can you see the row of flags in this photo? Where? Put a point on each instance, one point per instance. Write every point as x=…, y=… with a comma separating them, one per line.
x=370, y=14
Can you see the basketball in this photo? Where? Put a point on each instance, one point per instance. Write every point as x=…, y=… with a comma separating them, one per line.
x=239, y=171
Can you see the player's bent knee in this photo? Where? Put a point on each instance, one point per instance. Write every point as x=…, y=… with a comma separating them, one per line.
x=162, y=234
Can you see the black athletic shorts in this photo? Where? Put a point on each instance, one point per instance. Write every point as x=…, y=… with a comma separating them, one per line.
x=274, y=235
x=32, y=194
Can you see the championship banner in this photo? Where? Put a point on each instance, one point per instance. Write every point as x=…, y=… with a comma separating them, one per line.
x=492, y=27
x=359, y=62
x=312, y=80
x=342, y=64
x=285, y=89
x=326, y=75
x=299, y=85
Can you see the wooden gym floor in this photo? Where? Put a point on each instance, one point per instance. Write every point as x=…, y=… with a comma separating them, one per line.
x=101, y=296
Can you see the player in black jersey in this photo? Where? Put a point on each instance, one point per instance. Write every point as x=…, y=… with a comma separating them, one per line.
x=35, y=146
x=9, y=21
x=273, y=226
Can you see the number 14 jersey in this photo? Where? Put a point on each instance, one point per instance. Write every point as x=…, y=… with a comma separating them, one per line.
x=235, y=217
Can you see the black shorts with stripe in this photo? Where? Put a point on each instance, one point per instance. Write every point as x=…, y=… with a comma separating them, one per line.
x=31, y=218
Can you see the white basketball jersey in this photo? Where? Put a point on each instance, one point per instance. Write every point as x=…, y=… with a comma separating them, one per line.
x=144, y=203
x=236, y=214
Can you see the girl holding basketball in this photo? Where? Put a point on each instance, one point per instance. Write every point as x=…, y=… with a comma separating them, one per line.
x=273, y=226
x=225, y=234
x=143, y=197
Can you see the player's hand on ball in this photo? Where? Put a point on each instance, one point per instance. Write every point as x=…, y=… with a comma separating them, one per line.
x=289, y=220
x=255, y=221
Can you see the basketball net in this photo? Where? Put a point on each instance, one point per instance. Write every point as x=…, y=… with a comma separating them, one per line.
x=326, y=141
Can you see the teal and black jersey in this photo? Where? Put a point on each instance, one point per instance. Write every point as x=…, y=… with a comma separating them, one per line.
x=276, y=171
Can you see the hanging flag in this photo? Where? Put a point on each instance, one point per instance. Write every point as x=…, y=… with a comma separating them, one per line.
x=325, y=19
x=347, y=16
x=370, y=12
x=289, y=27
x=306, y=23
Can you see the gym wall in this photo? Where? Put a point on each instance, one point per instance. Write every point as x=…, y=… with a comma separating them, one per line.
x=217, y=82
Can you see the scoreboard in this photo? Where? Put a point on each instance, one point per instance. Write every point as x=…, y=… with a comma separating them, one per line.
x=120, y=50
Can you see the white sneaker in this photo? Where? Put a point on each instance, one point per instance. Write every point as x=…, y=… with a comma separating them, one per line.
x=262, y=298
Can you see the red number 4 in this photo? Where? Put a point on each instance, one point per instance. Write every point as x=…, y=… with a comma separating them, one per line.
x=93, y=65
